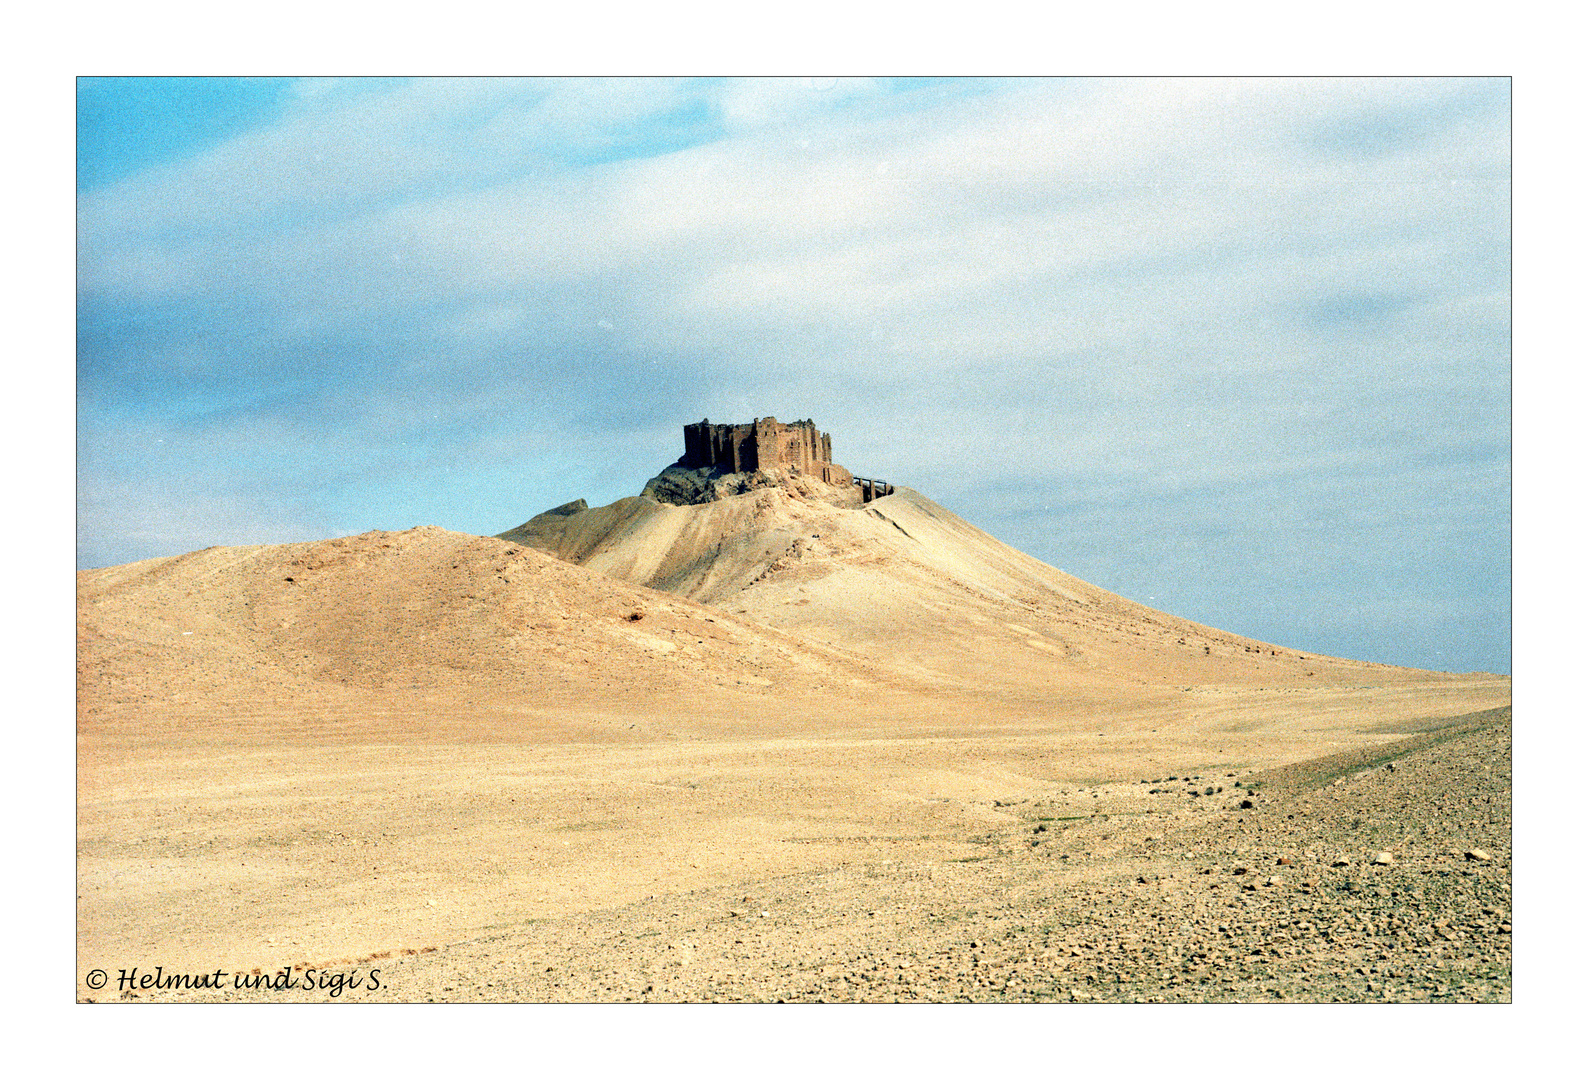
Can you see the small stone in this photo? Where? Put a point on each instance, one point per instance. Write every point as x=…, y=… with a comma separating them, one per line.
x=1383, y=858
x=1341, y=861
x=1274, y=881
x=1238, y=870
x=1477, y=854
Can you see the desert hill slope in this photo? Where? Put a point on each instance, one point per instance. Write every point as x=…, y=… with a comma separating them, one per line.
x=908, y=583
x=765, y=596
x=410, y=614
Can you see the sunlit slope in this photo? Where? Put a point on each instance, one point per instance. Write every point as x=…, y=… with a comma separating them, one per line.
x=909, y=583
x=408, y=613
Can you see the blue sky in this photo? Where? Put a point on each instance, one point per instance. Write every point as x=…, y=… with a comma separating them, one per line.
x=1239, y=349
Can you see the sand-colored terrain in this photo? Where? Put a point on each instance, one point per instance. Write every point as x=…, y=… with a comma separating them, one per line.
x=640, y=726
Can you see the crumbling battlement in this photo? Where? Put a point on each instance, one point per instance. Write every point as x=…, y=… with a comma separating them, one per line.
x=763, y=444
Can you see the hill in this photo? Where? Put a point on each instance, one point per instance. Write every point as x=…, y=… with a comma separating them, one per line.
x=411, y=617
x=914, y=587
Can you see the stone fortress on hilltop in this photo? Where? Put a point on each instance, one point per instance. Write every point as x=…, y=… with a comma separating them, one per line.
x=763, y=444
x=725, y=459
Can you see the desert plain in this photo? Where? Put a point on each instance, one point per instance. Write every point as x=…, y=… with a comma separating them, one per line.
x=780, y=746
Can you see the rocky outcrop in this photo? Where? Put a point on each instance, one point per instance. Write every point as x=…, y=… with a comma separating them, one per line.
x=568, y=509
x=683, y=486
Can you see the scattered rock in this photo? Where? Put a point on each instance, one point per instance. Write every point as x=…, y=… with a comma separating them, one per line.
x=1341, y=861
x=1383, y=858
x=1478, y=854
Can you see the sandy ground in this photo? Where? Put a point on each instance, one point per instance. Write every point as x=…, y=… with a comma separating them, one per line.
x=1085, y=896
x=453, y=757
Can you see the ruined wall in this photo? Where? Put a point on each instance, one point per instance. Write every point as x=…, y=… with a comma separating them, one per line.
x=728, y=446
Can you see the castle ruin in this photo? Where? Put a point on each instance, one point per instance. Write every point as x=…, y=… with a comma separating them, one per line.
x=767, y=444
